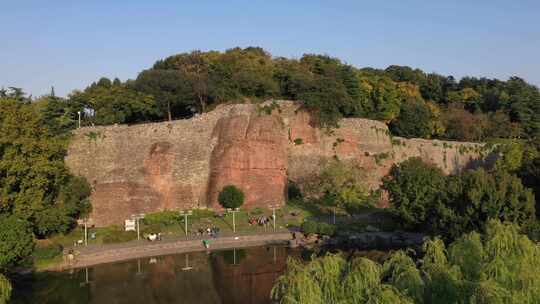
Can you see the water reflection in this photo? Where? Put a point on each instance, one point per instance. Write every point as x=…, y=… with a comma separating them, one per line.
x=231, y=276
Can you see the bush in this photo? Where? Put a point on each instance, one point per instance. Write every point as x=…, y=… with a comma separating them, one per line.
x=231, y=197
x=311, y=227
x=293, y=191
x=48, y=252
x=202, y=213
x=119, y=236
x=153, y=228
x=326, y=229
x=166, y=217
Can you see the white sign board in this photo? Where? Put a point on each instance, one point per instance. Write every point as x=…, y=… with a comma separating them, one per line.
x=130, y=225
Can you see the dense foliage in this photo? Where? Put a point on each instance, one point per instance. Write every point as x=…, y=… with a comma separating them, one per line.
x=5, y=289
x=16, y=241
x=339, y=184
x=231, y=197
x=166, y=217
x=414, y=103
x=497, y=267
x=427, y=200
x=35, y=184
x=312, y=227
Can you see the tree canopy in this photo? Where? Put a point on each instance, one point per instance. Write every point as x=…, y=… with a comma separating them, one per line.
x=182, y=85
x=16, y=241
x=427, y=200
x=231, y=197
x=35, y=184
x=496, y=267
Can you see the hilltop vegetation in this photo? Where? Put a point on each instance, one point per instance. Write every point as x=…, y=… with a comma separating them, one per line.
x=414, y=103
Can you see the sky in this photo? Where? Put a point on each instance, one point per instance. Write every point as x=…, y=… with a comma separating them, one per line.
x=70, y=43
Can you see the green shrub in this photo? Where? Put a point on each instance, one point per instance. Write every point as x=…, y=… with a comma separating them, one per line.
x=256, y=211
x=309, y=227
x=293, y=192
x=47, y=252
x=153, y=228
x=119, y=236
x=326, y=229
x=298, y=141
x=201, y=213
x=231, y=197
x=166, y=217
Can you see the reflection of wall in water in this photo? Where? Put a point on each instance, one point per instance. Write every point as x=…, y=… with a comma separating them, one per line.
x=163, y=282
x=213, y=279
x=251, y=279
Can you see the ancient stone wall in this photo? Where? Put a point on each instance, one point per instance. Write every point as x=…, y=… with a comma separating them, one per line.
x=185, y=163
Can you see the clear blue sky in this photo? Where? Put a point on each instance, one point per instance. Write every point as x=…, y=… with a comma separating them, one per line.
x=70, y=43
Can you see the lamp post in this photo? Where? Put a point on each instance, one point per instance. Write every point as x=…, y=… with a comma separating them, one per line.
x=186, y=213
x=233, y=221
x=85, y=232
x=137, y=217
x=274, y=207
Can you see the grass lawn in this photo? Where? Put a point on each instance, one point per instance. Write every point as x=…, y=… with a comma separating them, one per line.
x=294, y=213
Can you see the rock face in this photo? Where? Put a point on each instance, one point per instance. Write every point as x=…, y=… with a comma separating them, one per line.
x=185, y=163
x=251, y=154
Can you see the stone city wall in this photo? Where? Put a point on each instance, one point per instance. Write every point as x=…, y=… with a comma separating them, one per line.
x=185, y=163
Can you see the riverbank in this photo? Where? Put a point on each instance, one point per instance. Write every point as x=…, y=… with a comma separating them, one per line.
x=94, y=255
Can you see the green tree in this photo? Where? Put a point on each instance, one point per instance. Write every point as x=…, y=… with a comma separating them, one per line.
x=492, y=195
x=499, y=266
x=171, y=90
x=426, y=200
x=16, y=241
x=34, y=181
x=414, y=189
x=114, y=102
x=414, y=120
x=231, y=197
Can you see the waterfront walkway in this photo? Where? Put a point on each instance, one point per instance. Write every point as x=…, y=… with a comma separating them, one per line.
x=100, y=254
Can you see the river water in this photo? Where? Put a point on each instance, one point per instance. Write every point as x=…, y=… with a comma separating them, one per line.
x=229, y=276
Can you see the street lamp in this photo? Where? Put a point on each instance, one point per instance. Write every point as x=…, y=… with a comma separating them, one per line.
x=138, y=217
x=85, y=232
x=186, y=213
x=233, y=221
x=274, y=207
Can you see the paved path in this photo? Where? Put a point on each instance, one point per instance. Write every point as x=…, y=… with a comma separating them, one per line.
x=93, y=255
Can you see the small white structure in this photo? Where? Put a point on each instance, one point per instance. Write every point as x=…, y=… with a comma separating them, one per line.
x=130, y=225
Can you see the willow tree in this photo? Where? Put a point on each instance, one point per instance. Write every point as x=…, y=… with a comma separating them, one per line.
x=497, y=267
x=5, y=289
x=331, y=279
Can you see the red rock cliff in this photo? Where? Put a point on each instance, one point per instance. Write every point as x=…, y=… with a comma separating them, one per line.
x=185, y=163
